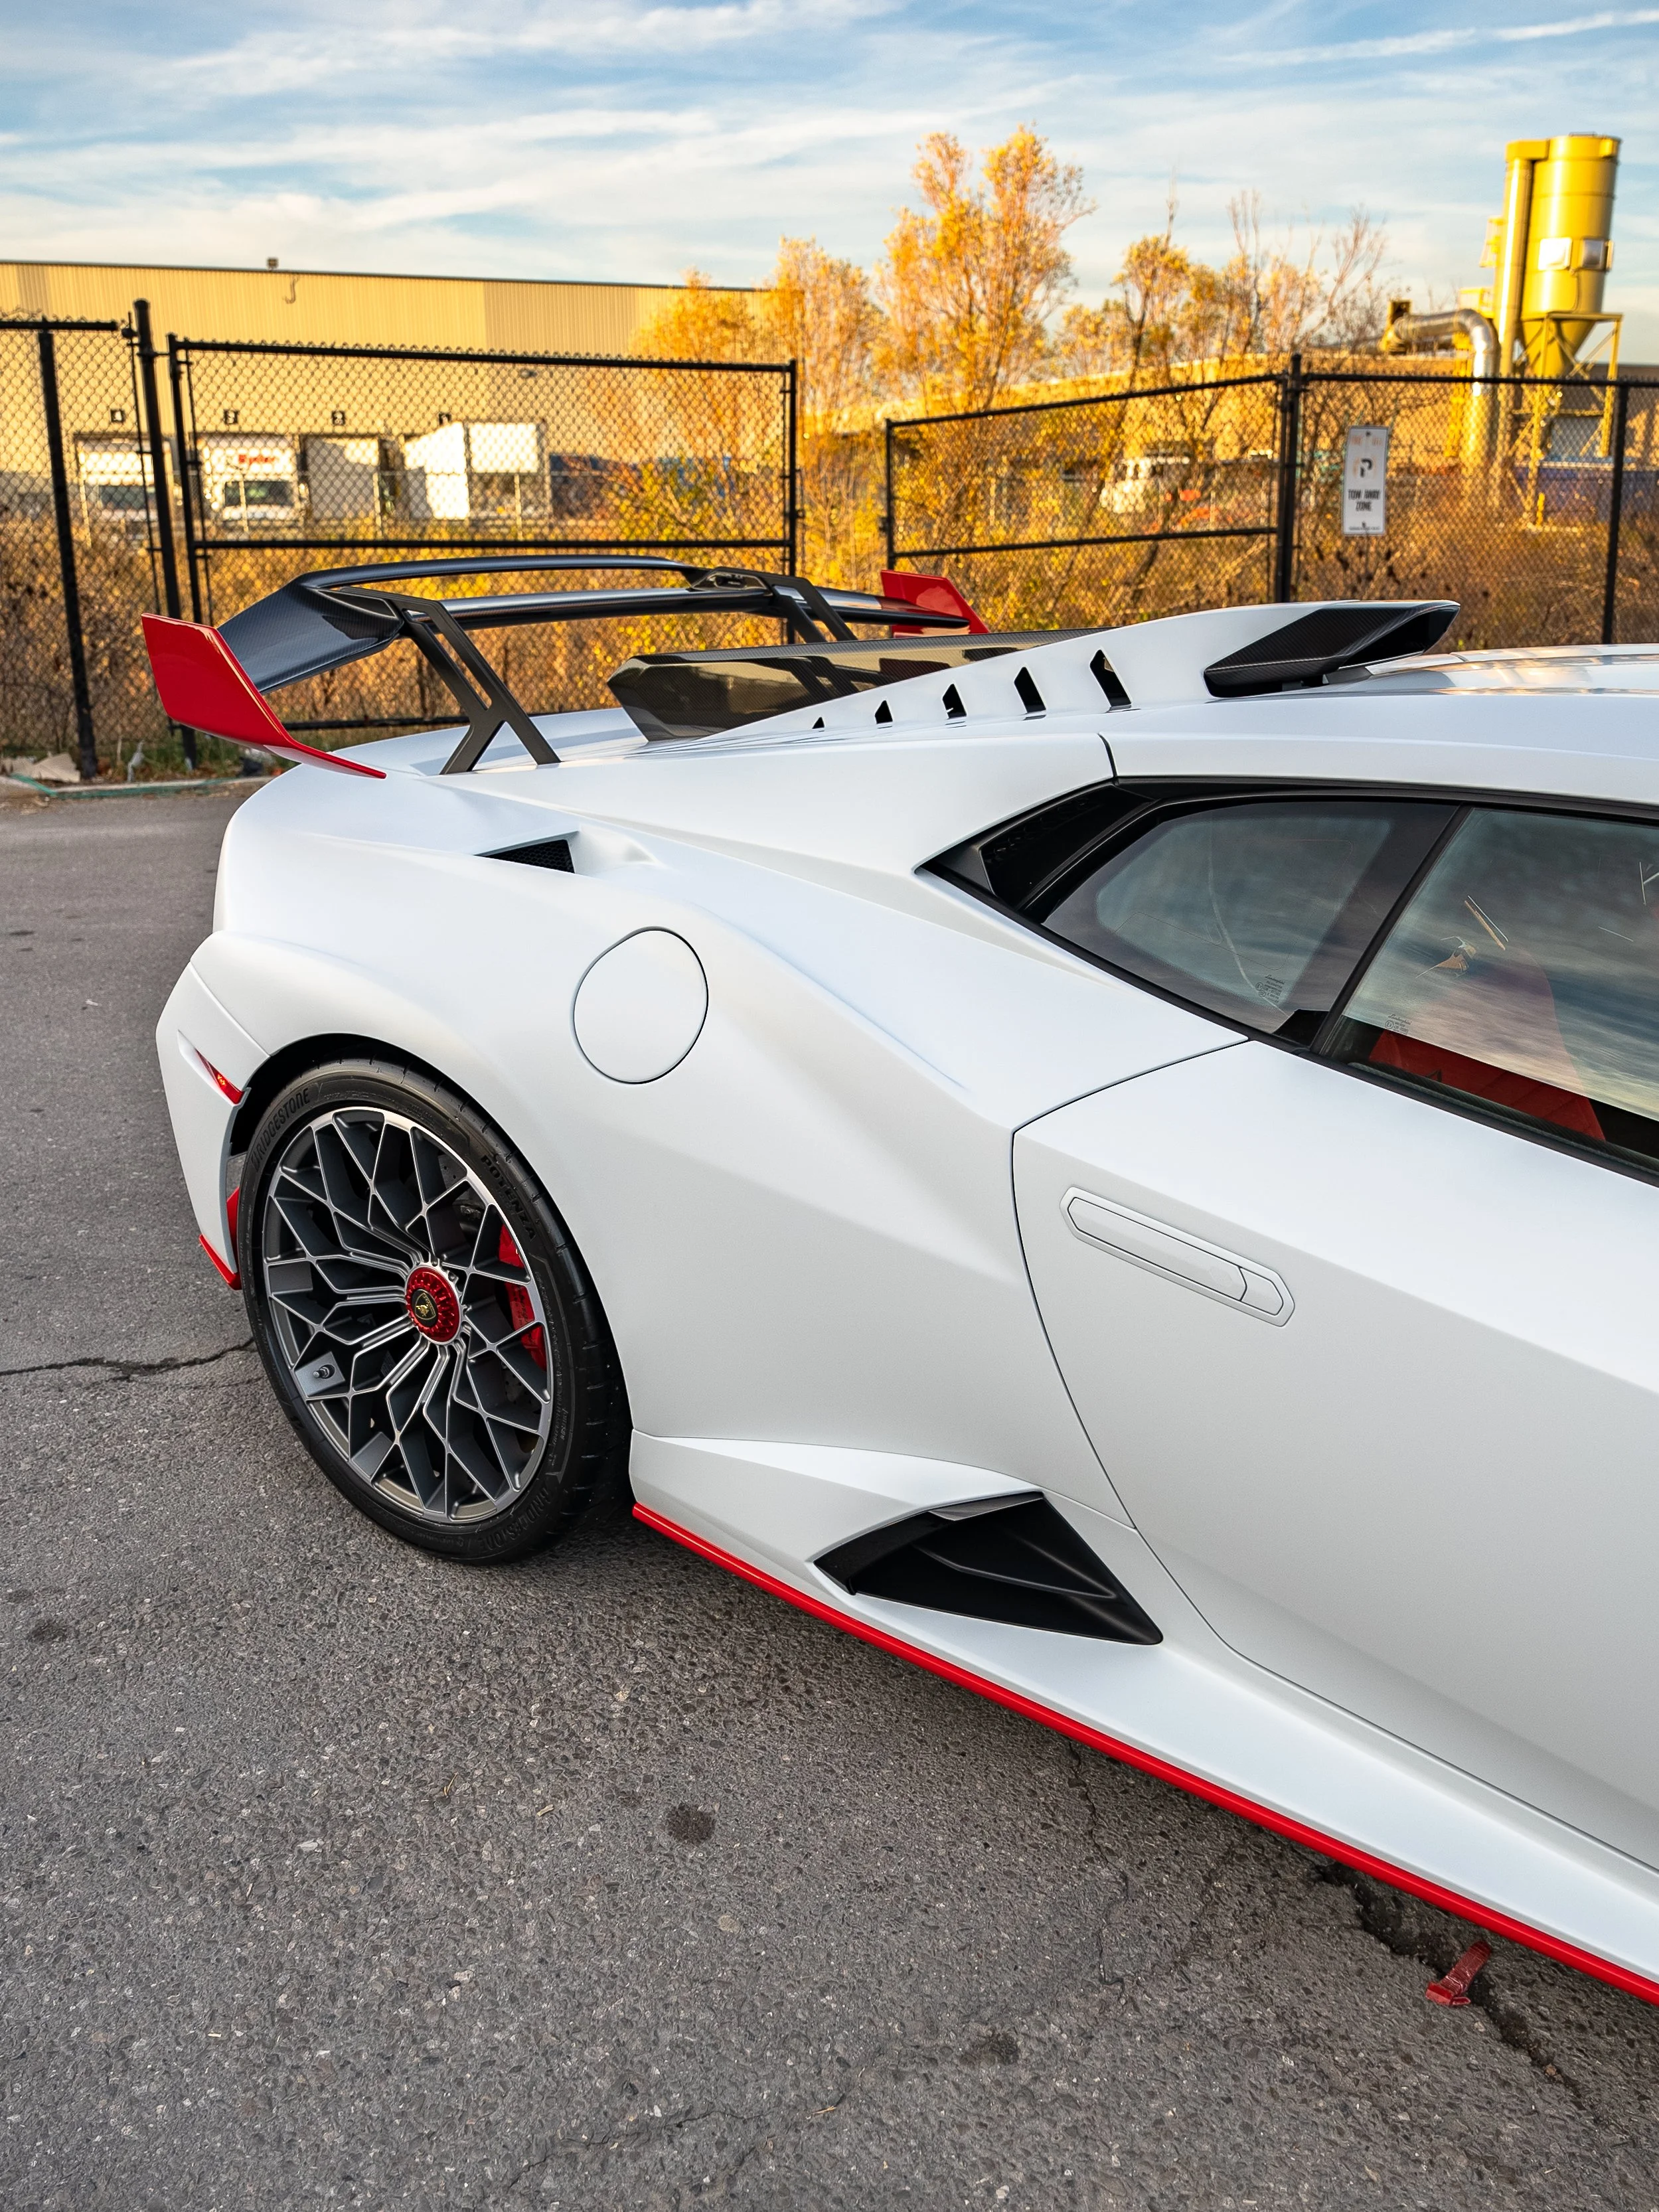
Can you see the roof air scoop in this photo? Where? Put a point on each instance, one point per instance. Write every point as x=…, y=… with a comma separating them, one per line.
x=1327, y=640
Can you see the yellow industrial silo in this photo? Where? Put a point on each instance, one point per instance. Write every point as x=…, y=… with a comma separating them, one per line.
x=1541, y=317
x=1552, y=249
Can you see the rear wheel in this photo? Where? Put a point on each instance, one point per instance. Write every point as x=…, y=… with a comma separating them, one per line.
x=427, y=1325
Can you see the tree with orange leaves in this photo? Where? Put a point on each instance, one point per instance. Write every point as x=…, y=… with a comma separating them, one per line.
x=815, y=310
x=968, y=284
x=1167, y=310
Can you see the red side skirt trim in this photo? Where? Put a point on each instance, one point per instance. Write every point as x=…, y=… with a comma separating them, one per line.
x=1330, y=1847
x=232, y=1280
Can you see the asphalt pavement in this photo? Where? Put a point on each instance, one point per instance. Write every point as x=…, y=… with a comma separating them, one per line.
x=333, y=1874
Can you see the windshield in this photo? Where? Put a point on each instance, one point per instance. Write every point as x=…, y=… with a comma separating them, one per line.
x=258, y=492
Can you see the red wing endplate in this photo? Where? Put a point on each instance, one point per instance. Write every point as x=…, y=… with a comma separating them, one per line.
x=204, y=685
x=937, y=594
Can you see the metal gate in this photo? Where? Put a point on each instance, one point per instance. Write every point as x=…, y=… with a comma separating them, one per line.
x=187, y=477
x=1534, y=504
x=345, y=454
x=78, y=542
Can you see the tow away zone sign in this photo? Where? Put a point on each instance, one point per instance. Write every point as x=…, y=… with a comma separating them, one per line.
x=1365, y=481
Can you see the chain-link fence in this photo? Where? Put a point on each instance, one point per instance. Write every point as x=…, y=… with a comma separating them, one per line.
x=1535, y=505
x=1073, y=513
x=272, y=459
x=77, y=561
x=1500, y=494
x=351, y=455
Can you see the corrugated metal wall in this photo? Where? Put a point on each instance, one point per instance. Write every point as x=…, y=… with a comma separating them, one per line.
x=313, y=307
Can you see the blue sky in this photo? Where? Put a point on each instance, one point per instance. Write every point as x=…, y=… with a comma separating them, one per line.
x=628, y=139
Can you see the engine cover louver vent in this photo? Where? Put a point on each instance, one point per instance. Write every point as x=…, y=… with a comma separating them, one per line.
x=1019, y=1563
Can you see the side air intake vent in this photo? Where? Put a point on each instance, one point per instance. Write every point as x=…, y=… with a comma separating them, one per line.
x=1019, y=1562
x=551, y=852
x=1316, y=645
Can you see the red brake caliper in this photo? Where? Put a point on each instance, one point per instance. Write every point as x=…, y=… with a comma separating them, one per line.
x=518, y=1307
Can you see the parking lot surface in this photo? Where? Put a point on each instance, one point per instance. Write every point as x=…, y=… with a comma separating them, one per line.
x=333, y=1874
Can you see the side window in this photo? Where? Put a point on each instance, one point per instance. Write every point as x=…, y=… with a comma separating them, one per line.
x=1525, y=973
x=1257, y=910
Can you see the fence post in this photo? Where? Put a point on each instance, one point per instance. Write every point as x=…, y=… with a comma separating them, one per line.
x=175, y=383
x=1290, y=447
x=792, y=510
x=158, y=472
x=86, y=744
x=1615, y=510
x=887, y=430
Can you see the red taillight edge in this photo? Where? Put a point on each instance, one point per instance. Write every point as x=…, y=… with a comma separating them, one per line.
x=222, y=1081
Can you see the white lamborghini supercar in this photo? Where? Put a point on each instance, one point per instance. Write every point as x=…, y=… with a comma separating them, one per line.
x=1122, y=1166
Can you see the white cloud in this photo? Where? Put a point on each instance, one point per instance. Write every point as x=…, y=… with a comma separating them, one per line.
x=1449, y=38
x=628, y=137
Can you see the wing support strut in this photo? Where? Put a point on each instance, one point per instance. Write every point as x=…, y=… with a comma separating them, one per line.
x=476, y=689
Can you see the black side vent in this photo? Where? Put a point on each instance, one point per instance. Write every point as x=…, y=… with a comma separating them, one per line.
x=884, y=713
x=1315, y=645
x=1108, y=680
x=551, y=852
x=1030, y=697
x=954, y=709
x=1019, y=1563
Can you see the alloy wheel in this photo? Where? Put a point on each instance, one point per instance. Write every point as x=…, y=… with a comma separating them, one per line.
x=413, y=1331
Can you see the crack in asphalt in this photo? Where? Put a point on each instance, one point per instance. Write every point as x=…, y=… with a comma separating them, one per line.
x=758, y=2133
x=127, y=1370
x=1385, y=1916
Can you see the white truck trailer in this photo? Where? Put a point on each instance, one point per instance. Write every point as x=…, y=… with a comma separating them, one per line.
x=249, y=482
x=463, y=470
x=111, y=473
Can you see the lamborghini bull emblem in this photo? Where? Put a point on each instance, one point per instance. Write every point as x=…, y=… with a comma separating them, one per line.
x=430, y=1300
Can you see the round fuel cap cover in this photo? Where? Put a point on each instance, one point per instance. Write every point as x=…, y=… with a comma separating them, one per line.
x=641, y=1007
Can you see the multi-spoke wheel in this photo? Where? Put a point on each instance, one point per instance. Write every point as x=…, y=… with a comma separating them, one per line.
x=431, y=1331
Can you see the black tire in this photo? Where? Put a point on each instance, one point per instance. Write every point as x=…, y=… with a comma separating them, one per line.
x=520, y=1417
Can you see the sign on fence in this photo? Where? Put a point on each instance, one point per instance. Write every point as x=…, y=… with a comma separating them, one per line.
x=1365, y=481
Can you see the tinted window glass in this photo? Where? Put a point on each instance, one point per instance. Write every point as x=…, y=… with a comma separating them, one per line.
x=1525, y=972
x=1258, y=910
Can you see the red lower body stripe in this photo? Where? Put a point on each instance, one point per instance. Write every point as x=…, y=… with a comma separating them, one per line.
x=1330, y=1847
x=232, y=1281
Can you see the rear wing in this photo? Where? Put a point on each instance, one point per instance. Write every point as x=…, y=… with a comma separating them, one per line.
x=202, y=684
x=215, y=680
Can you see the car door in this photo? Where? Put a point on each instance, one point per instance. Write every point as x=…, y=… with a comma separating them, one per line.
x=1362, y=1317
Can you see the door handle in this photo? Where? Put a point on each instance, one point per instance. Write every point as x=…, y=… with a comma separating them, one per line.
x=1237, y=1281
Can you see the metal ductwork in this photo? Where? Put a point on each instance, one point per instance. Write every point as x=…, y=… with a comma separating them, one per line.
x=1430, y=333
x=1408, y=333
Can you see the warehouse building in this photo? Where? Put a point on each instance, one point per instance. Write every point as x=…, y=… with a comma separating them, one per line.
x=308, y=307
x=286, y=440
